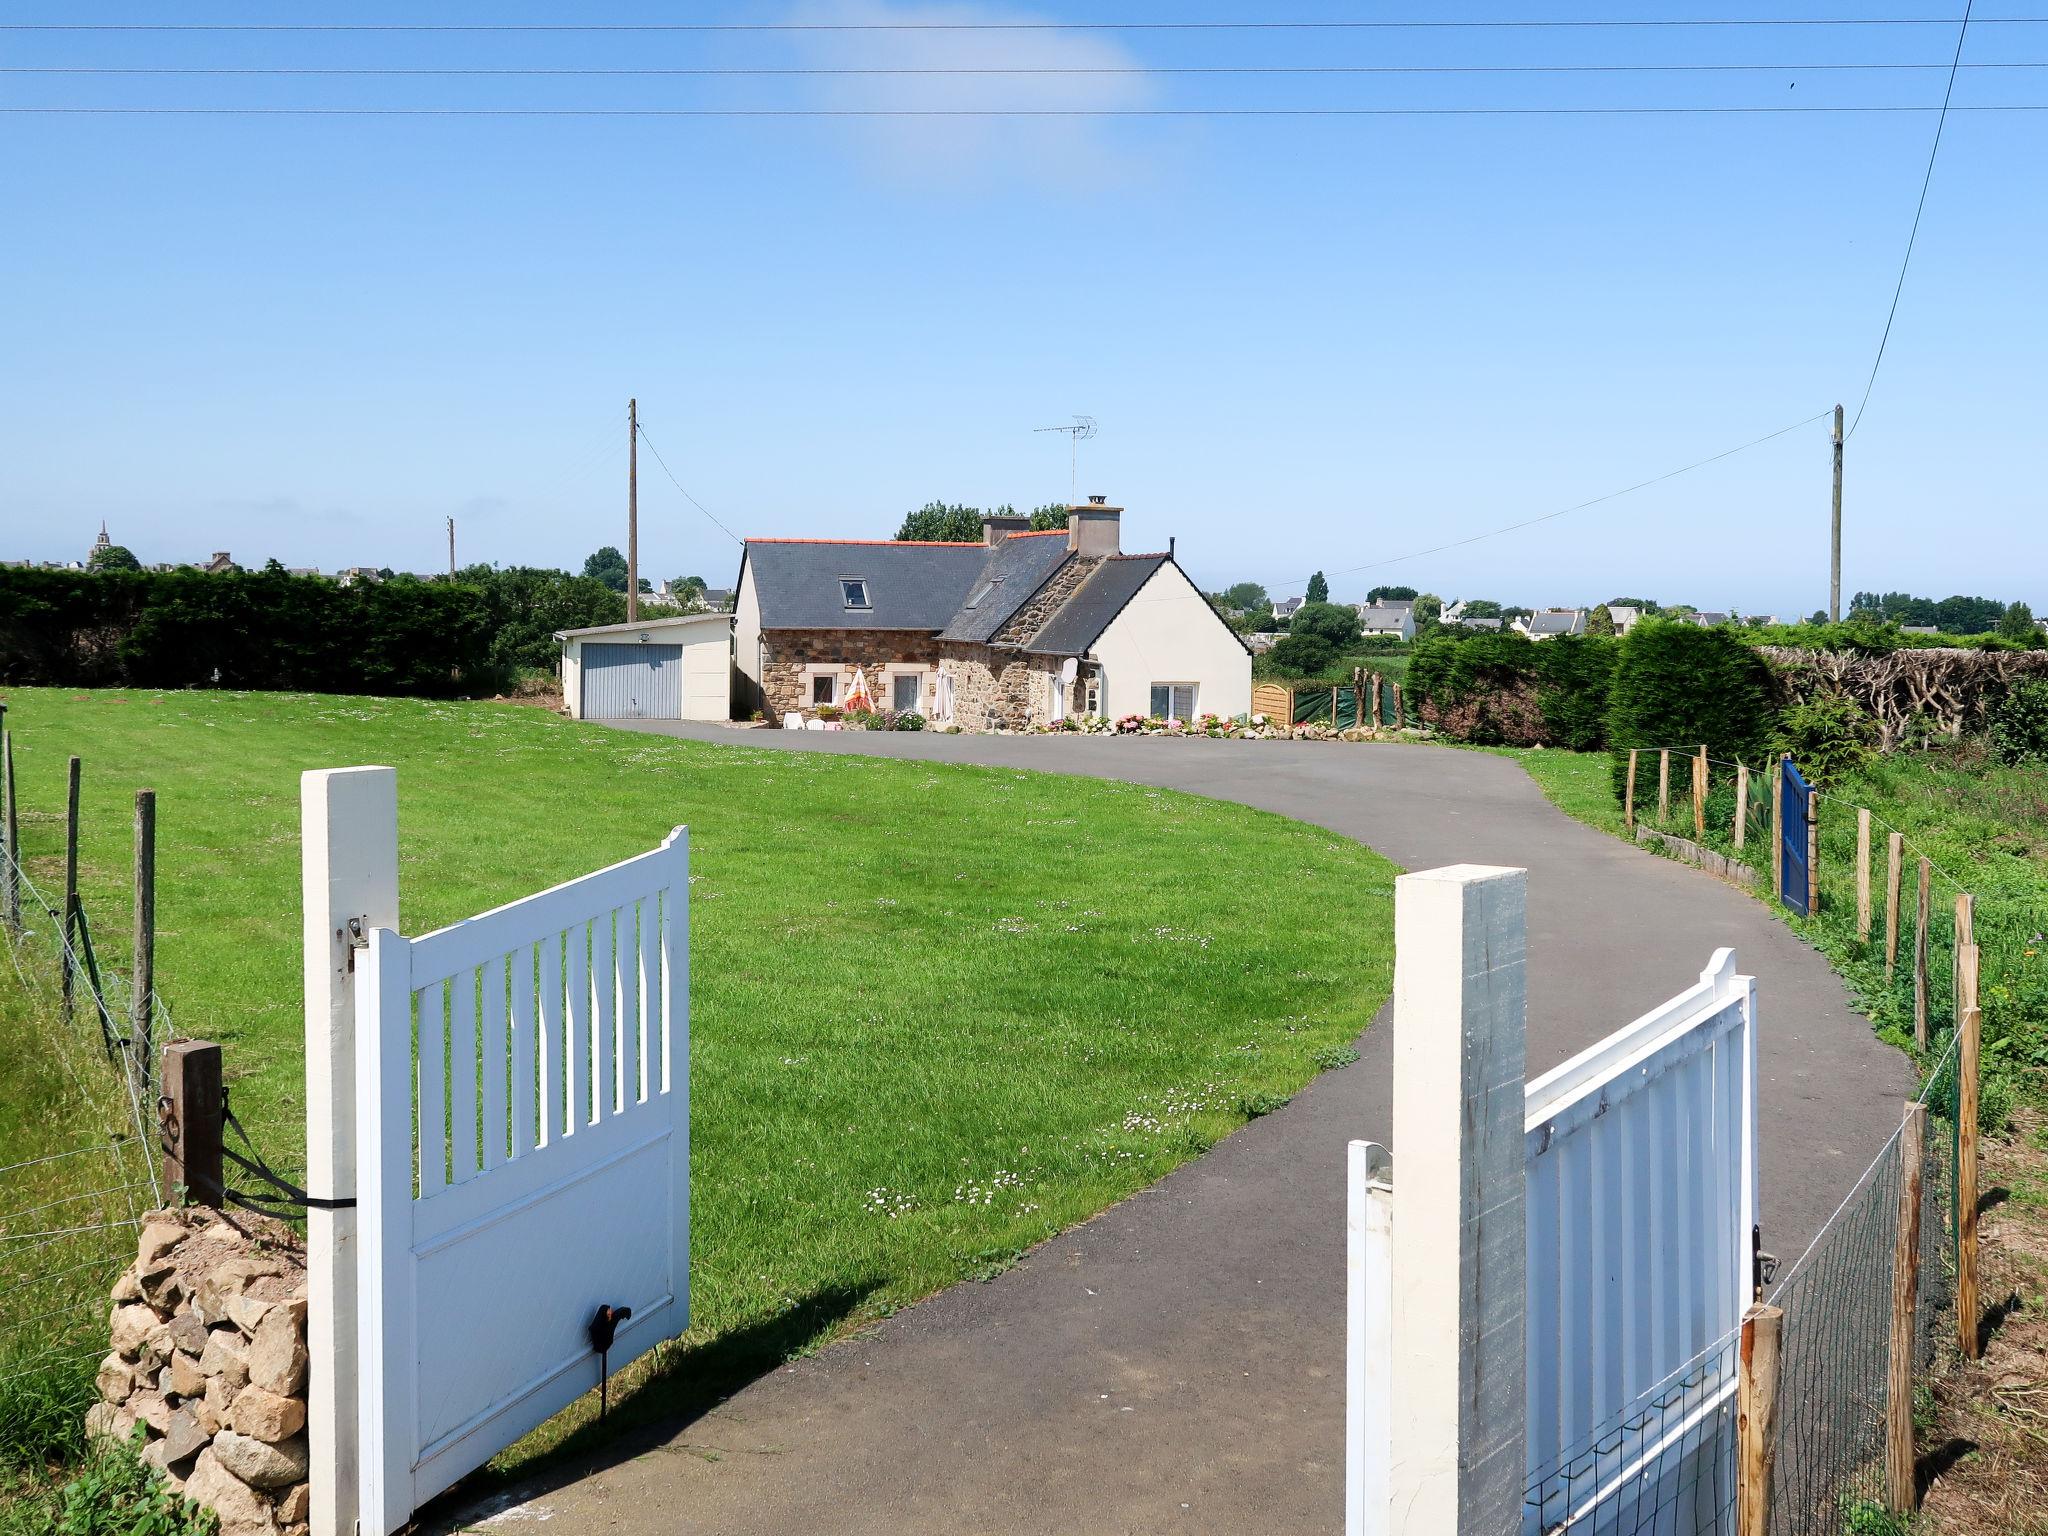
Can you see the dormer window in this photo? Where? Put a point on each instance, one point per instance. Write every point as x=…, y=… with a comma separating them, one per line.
x=855, y=594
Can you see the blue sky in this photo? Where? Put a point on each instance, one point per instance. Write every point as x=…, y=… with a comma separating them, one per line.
x=1310, y=342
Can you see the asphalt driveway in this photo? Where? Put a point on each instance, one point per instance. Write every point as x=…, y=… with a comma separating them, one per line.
x=1176, y=1364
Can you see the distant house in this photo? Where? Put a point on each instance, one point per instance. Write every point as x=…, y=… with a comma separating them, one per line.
x=1549, y=623
x=1018, y=628
x=1626, y=616
x=221, y=563
x=1284, y=608
x=1387, y=619
x=1919, y=629
x=1456, y=614
x=358, y=575
x=1266, y=639
x=1707, y=618
x=302, y=570
x=718, y=599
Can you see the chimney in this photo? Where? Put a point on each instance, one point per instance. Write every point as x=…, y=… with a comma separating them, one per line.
x=998, y=526
x=1092, y=530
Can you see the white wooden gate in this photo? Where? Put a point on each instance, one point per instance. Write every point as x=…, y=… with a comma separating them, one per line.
x=522, y=1099
x=1593, y=1279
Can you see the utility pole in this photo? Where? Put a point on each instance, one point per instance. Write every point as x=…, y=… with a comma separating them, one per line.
x=1835, y=533
x=633, y=511
x=451, y=549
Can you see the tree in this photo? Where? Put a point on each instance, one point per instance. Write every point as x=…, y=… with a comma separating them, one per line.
x=1302, y=655
x=1600, y=621
x=2016, y=624
x=1052, y=515
x=1332, y=623
x=1248, y=597
x=688, y=590
x=942, y=523
x=1429, y=614
x=1481, y=608
x=1396, y=594
x=1647, y=607
x=607, y=566
x=112, y=557
x=1680, y=683
x=1318, y=588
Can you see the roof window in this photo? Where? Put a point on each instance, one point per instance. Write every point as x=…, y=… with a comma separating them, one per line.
x=854, y=592
x=983, y=591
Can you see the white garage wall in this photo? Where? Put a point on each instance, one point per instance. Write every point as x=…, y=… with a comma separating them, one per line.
x=706, y=639
x=1168, y=633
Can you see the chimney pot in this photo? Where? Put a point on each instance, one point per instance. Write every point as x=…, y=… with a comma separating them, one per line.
x=1096, y=501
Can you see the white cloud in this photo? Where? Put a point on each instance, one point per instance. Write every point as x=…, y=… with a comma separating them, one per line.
x=1057, y=150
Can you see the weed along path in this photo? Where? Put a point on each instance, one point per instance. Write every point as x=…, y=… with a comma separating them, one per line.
x=1176, y=1363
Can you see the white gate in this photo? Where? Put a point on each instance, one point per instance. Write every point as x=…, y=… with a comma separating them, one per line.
x=522, y=1099
x=1561, y=1305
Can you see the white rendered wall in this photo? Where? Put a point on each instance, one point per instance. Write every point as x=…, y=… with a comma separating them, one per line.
x=1168, y=633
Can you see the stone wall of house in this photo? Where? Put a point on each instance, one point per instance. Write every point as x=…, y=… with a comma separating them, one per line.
x=997, y=690
x=786, y=653
x=1030, y=619
x=209, y=1351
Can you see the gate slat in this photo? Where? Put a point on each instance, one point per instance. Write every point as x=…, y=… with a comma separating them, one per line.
x=433, y=1089
x=462, y=1076
x=626, y=977
x=650, y=996
x=603, y=984
x=579, y=1044
x=525, y=1091
x=491, y=1057
x=549, y=1039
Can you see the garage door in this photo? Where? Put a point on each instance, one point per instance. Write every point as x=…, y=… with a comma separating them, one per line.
x=632, y=682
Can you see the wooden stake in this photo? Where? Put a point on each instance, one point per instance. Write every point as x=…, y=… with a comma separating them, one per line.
x=142, y=1021
x=1400, y=714
x=1741, y=805
x=10, y=825
x=1898, y=1436
x=1863, y=874
x=192, y=1125
x=1663, y=785
x=1813, y=853
x=1628, y=795
x=1699, y=796
x=1968, y=1049
x=1375, y=701
x=1756, y=1418
x=1895, y=858
x=1920, y=954
x=70, y=918
x=1966, y=933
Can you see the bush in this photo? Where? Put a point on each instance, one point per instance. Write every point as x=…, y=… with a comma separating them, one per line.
x=1497, y=688
x=1328, y=622
x=1677, y=685
x=1302, y=655
x=2018, y=723
x=1828, y=736
x=909, y=720
x=1576, y=671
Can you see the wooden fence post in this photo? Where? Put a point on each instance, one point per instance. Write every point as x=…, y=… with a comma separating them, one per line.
x=348, y=821
x=10, y=823
x=1756, y=1418
x=1862, y=874
x=192, y=1130
x=1400, y=713
x=1460, y=1286
x=1699, y=796
x=70, y=916
x=1898, y=1433
x=1813, y=853
x=1966, y=933
x=1920, y=953
x=1628, y=798
x=141, y=1050
x=1968, y=1046
x=1663, y=785
x=1741, y=805
x=1895, y=859
x=1375, y=701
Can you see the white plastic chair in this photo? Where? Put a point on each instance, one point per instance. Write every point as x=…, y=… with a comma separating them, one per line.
x=792, y=721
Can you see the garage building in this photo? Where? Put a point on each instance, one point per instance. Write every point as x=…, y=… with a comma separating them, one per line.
x=660, y=669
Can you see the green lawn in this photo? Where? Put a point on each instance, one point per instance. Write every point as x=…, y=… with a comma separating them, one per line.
x=938, y=1012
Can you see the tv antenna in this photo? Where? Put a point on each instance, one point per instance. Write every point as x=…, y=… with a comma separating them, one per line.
x=1082, y=429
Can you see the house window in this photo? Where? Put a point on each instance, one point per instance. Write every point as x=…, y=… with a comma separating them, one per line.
x=905, y=688
x=983, y=591
x=824, y=688
x=1173, y=701
x=855, y=593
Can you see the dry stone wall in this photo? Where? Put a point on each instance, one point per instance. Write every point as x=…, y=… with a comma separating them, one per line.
x=209, y=1351
x=786, y=654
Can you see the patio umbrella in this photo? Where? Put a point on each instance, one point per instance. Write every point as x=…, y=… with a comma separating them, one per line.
x=858, y=699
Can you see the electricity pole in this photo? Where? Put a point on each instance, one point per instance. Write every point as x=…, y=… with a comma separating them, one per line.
x=451, y=549
x=633, y=509
x=1835, y=533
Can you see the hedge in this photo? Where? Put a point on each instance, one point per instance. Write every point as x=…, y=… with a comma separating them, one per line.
x=1677, y=685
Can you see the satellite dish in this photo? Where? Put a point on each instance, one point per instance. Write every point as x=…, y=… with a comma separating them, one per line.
x=1069, y=670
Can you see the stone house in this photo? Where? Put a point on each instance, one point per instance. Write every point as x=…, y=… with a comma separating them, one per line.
x=1019, y=628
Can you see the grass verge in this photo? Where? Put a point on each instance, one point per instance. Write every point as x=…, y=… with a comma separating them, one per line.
x=939, y=1013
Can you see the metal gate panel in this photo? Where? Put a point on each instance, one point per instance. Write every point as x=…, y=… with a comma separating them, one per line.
x=632, y=682
x=522, y=1101
x=1792, y=801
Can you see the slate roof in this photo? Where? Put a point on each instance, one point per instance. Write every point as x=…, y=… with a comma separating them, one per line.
x=1018, y=567
x=1557, y=621
x=910, y=585
x=1084, y=616
x=1387, y=616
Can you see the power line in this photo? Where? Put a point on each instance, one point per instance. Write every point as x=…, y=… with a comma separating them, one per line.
x=1919, y=208
x=1003, y=112
x=693, y=501
x=1525, y=24
x=919, y=71
x=1626, y=490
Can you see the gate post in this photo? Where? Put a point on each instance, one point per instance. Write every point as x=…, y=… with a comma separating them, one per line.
x=348, y=819
x=1459, y=1443
x=1368, y=1340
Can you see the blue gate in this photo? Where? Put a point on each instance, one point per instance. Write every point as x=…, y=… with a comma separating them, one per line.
x=1792, y=803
